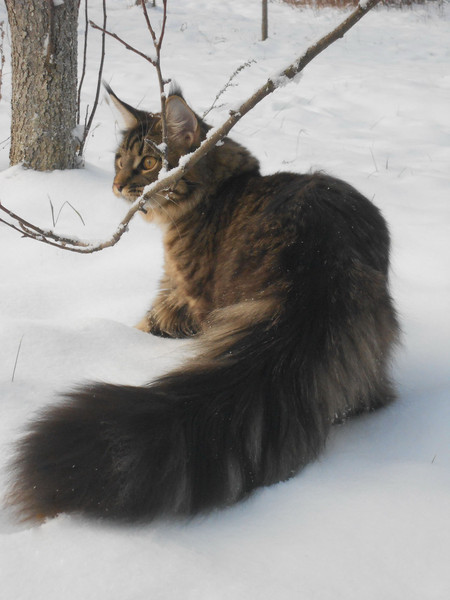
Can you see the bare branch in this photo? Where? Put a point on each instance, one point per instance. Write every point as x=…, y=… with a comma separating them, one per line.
x=149, y=25
x=43, y=235
x=228, y=84
x=270, y=86
x=174, y=175
x=83, y=70
x=2, y=54
x=119, y=39
x=157, y=42
x=55, y=219
x=99, y=84
x=155, y=147
x=17, y=359
x=59, y=241
x=156, y=62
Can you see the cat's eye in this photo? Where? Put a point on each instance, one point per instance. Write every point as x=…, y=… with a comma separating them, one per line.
x=149, y=163
x=119, y=162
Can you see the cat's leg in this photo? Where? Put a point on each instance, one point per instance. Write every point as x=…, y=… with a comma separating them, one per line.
x=169, y=316
x=173, y=323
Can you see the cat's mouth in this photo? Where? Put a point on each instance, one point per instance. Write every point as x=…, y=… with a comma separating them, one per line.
x=129, y=194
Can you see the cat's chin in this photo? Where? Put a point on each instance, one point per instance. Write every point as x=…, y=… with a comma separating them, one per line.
x=131, y=197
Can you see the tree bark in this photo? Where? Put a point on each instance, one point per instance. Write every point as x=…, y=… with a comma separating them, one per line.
x=44, y=83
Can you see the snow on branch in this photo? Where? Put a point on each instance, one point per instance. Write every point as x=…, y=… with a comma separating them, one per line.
x=48, y=236
x=165, y=183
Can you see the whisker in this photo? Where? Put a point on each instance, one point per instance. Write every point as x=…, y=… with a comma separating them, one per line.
x=170, y=218
x=173, y=202
x=168, y=199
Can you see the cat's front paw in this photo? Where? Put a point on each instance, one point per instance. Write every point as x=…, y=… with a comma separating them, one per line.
x=147, y=326
x=178, y=325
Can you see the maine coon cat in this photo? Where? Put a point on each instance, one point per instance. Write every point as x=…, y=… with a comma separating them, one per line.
x=283, y=280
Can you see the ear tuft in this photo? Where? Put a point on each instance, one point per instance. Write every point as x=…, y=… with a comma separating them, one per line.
x=182, y=124
x=130, y=116
x=175, y=89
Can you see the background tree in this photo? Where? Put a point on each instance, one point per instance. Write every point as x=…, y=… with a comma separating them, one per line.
x=44, y=82
x=2, y=54
x=264, y=21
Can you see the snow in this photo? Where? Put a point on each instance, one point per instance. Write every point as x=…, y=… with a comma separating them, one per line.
x=370, y=519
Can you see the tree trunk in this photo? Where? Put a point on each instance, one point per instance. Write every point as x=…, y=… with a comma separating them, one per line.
x=44, y=83
x=264, y=22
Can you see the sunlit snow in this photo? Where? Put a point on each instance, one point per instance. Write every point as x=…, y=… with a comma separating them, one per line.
x=370, y=519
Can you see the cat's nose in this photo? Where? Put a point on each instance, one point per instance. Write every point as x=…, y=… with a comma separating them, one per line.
x=117, y=188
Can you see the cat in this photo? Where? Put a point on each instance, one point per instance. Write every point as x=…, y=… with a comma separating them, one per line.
x=282, y=280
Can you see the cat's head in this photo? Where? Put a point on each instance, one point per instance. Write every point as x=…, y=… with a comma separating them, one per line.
x=137, y=163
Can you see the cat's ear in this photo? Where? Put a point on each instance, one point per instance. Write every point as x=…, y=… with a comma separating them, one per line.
x=182, y=125
x=130, y=116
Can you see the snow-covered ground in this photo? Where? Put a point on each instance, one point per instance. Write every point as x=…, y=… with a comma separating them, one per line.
x=370, y=520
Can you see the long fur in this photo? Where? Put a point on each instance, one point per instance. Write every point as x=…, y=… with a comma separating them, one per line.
x=273, y=372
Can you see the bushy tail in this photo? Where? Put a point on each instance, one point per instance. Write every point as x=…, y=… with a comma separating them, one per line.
x=251, y=411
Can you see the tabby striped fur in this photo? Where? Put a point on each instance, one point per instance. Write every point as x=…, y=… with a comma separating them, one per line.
x=283, y=280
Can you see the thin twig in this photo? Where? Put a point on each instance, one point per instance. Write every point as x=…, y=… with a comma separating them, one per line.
x=270, y=86
x=66, y=202
x=119, y=39
x=157, y=42
x=99, y=85
x=228, y=84
x=17, y=358
x=83, y=71
x=52, y=211
x=149, y=25
x=2, y=55
x=33, y=231
x=155, y=62
x=155, y=147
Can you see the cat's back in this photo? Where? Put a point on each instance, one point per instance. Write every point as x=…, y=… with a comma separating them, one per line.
x=323, y=214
